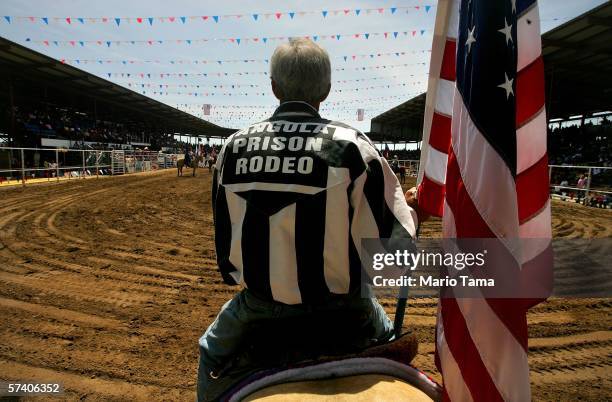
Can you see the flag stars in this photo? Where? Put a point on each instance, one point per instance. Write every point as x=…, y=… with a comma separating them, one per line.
x=471, y=39
x=507, y=31
x=507, y=86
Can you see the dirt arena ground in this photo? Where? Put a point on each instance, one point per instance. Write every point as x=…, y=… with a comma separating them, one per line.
x=106, y=285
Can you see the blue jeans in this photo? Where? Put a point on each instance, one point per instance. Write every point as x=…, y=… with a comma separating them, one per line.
x=222, y=339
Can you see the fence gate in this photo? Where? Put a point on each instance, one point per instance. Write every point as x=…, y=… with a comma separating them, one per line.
x=118, y=162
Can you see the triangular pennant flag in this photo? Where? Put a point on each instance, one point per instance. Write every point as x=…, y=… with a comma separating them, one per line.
x=7, y=18
x=188, y=41
x=422, y=32
x=172, y=19
x=357, y=11
x=72, y=42
x=345, y=57
x=238, y=40
x=139, y=20
x=346, y=11
x=118, y=21
x=255, y=16
x=56, y=43
x=367, y=35
x=278, y=15
x=315, y=38
x=45, y=20
x=324, y=13
x=68, y=20
x=46, y=42
x=427, y=8
x=292, y=14
x=216, y=18
x=183, y=19
x=81, y=20
x=265, y=40
x=393, y=10
x=205, y=17
x=338, y=37
x=150, y=20
x=108, y=43
x=395, y=34
x=109, y=75
x=81, y=43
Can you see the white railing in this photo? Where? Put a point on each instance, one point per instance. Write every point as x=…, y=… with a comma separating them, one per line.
x=47, y=164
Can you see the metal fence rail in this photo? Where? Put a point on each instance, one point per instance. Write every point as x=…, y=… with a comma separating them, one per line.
x=34, y=165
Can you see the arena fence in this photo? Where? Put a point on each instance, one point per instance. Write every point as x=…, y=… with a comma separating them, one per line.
x=35, y=165
x=595, y=190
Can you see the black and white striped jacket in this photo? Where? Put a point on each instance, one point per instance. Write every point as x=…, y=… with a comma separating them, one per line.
x=293, y=196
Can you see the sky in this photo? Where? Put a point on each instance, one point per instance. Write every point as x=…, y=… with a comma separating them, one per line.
x=375, y=74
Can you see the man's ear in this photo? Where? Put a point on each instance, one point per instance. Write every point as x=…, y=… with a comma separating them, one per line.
x=326, y=93
x=275, y=89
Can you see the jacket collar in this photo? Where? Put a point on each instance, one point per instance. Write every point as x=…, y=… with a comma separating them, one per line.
x=295, y=108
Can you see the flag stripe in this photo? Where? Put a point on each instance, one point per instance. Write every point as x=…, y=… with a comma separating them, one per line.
x=444, y=100
x=528, y=38
x=448, y=70
x=440, y=136
x=435, y=166
x=529, y=91
x=451, y=370
x=431, y=196
x=532, y=189
x=530, y=145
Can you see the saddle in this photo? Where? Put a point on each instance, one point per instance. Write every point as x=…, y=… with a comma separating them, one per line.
x=379, y=369
x=278, y=345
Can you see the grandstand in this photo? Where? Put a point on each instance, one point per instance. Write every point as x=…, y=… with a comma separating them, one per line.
x=51, y=104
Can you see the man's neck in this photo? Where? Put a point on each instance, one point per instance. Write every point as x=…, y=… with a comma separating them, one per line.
x=314, y=105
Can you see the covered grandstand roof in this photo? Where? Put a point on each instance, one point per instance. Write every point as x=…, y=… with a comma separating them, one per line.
x=578, y=67
x=27, y=66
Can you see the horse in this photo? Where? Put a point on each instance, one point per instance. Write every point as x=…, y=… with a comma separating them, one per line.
x=402, y=173
x=401, y=170
x=180, y=163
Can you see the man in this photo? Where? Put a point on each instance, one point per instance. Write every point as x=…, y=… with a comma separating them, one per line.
x=292, y=197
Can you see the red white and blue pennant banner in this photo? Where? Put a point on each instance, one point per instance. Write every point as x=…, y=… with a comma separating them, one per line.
x=184, y=19
x=237, y=41
x=346, y=58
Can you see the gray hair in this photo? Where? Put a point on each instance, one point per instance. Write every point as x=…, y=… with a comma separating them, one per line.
x=301, y=71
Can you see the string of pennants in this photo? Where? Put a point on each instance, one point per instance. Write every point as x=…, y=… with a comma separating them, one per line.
x=157, y=93
x=221, y=74
x=195, y=93
x=184, y=61
x=149, y=21
x=132, y=84
x=327, y=103
x=237, y=41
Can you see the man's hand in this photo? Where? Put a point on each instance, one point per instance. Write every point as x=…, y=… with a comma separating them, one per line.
x=412, y=203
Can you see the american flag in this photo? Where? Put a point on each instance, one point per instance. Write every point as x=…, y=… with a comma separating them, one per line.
x=484, y=170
